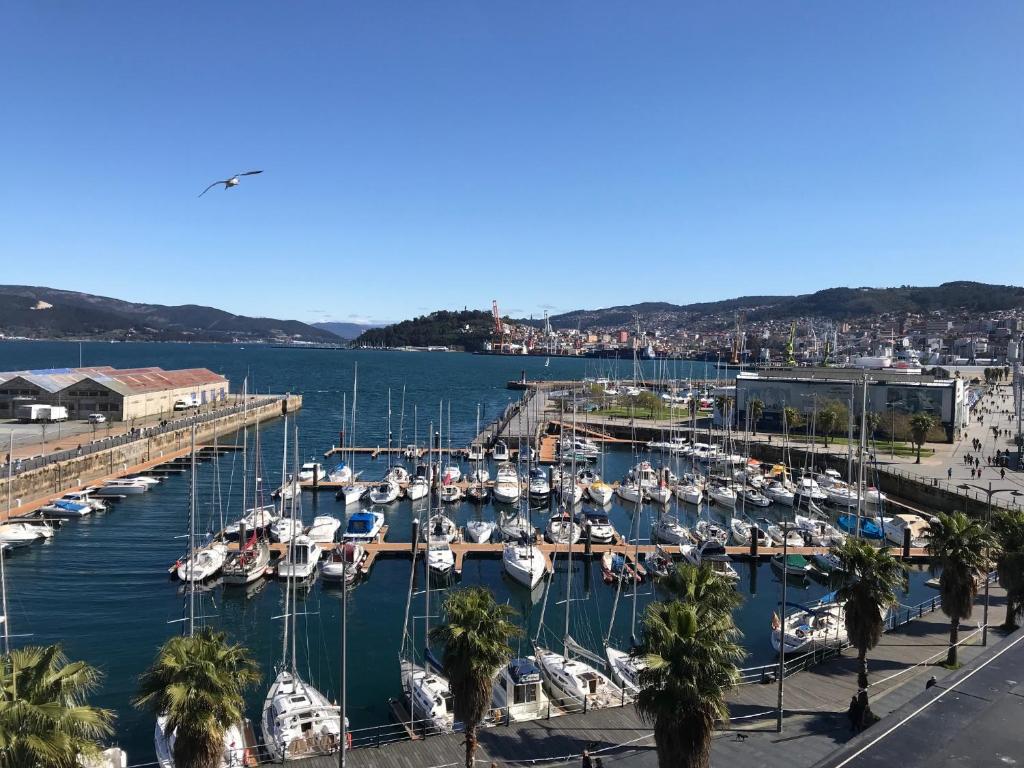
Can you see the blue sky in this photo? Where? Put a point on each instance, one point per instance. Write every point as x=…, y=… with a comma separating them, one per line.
x=552, y=155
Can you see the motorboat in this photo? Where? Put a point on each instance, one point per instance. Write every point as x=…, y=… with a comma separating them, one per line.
x=869, y=527
x=478, y=493
x=689, y=493
x=586, y=476
x=342, y=563
x=779, y=493
x=595, y=523
x=254, y=520
x=122, y=487
x=451, y=474
x=84, y=497
x=754, y=497
x=301, y=560
x=615, y=566
x=440, y=527
x=450, y=494
x=896, y=526
x=668, y=530
x=782, y=533
x=310, y=471
x=440, y=558
x=515, y=526
x=342, y=473
x=480, y=475
x=841, y=495
x=203, y=564
x=792, y=565
x=748, y=477
x=743, y=531
x=713, y=553
x=506, y=485
x=398, y=475
x=645, y=475
x=298, y=721
x=538, y=483
x=575, y=683
x=288, y=490
x=411, y=452
x=812, y=627
x=284, y=529
x=350, y=494
x=827, y=563
x=569, y=492
x=600, y=492
x=323, y=529
x=148, y=480
x=822, y=533
x=248, y=563
x=417, y=488
x=21, y=533
x=706, y=530
x=873, y=499
x=580, y=447
x=500, y=451
x=519, y=691
x=561, y=529
x=476, y=452
x=363, y=527
x=67, y=509
x=524, y=563
x=233, y=755
x=479, y=531
x=625, y=670
x=807, y=489
x=722, y=495
x=430, y=697
x=386, y=492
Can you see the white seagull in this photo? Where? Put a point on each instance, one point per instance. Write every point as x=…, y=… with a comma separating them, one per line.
x=229, y=183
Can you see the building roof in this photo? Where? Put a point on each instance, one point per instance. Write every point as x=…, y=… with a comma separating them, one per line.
x=126, y=381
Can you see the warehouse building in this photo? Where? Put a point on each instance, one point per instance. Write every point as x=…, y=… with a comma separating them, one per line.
x=891, y=395
x=119, y=394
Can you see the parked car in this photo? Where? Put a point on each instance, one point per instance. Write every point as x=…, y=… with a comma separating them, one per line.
x=97, y=418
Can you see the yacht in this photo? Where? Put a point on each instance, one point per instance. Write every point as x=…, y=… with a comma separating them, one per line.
x=754, y=497
x=233, y=755
x=68, y=509
x=630, y=491
x=586, y=476
x=363, y=527
x=807, y=489
x=869, y=526
x=84, y=497
x=324, y=529
x=440, y=527
x=573, y=682
x=600, y=492
x=706, y=530
x=450, y=493
x=440, y=558
x=311, y=470
x=398, y=475
x=476, y=452
x=561, y=529
x=779, y=493
x=581, y=447
x=792, y=565
x=341, y=474
x=284, y=529
x=385, y=492
x=123, y=487
x=430, y=697
x=689, y=493
x=668, y=530
x=204, y=564
x=712, y=552
x=248, y=563
x=524, y=563
x=350, y=494
x=298, y=721
x=596, y=523
x=539, y=486
x=21, y=533
x=644, y=475
x=515, y=526
x=479, y=531
x=479, y=475
x=301, y=560
x=625, y=670
x=743, y=531
x=478, y=493
x=342, y=564
x=782, y=533
x=821, y=625
x=500, y=451
x=253, y=520
x=722, y=495
x=451, y=474
x=821, y=532
x=506, y=485
x=569, y=492
x=519, y=691
x=660, y=494
x=417, y=488
x=895, y=526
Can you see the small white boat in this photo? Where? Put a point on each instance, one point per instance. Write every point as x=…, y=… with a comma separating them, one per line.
x=500, y=451
x=301, y=560
x=450, y=494
x=430, y=697
x=363, y=527
x=713, y=553
x=821, y=625
x=807, y=489
x=342, y=564
x=524, y=563
x=341, y=474
x=398, y=475
x=596, y=522
x=569, y=492
x=783, y=533
x=515, y=526
x=284, y=529
x=668, y=530
x=298, y=721
x=311, y=470
x=84, y=497
x=19, y=533
x=625, y=670
x=418, y=488
x=538, y=482
x=479, y=531
x=480, y=475
x=451, y=474
x=385, y=493
x=706, y=530
x=350, y=494
x=233, y=755
x=600, y=492
x=742, y=533
x=67, y=509
x=630, y=492
x=254, y=520
x=561, y=529
x=205, y=563
x=572, y=682
x=123, y=487
x=873, y=499
x=895, y=526
x=689, y=493
x=755, y=498
x=660, y=494
x=440, y=558
x=792, y=565
x=440, y=527
x=247, y=564
x=519, y=691
x=722, y=495
x=323, y=529
x=506, y=485
x=821, y=532
x=779, y=493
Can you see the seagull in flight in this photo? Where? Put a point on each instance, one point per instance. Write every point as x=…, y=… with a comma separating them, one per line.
x=229, y=183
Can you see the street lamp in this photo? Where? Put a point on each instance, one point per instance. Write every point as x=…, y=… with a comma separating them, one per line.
x=988, y=521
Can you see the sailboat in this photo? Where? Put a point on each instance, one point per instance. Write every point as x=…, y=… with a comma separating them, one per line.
x=298, y=721
x=351, y=493
x=250, y=561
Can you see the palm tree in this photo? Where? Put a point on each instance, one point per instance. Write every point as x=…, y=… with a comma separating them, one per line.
x=702, y=586
x=690, y=651
x=827, y=421
x=873, y=577
x=794, y=419
x=196, y=682
x=920, y=425
x=45, y=721
x=756, y=408
x=475, y=635
x=1008, y=528
x=959, y=545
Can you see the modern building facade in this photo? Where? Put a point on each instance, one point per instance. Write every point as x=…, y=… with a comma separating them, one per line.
x=889, y=394
x=119, y=394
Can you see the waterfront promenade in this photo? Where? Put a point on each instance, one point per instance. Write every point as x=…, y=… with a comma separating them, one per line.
x=815, y=702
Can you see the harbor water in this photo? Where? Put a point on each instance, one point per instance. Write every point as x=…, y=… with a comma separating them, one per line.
x=100, y=587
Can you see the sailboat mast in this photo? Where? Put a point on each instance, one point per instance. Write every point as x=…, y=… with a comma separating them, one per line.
x=389, y=428
x=863, y=448
x=568, y=540
x=352, y=431
x=401, y=422
x=192, y=538
x=287, y=593
x=426, y=557
x=293, y=582
x=3, y=565
x=245, y=461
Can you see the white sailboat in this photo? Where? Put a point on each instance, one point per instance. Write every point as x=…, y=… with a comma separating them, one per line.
x=324, y=529
x=506, y=485
x=250, y=561
x=524, y=563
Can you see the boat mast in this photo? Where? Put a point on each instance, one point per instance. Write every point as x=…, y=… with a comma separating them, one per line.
x=568, y=537
x=863, y=446
x=352, y=431
x=287, y=593
x=192, y=538
x=293, y=582
x=3, y=566
x=389, y=429
x=245, y=465
x=401, y=422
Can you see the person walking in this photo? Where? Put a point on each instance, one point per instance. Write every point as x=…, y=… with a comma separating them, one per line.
x=949, y=473
x=585, y=761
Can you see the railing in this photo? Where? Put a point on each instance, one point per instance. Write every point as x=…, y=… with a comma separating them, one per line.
x=106, y=443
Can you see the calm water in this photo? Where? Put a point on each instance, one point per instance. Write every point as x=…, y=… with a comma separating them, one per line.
x=100, y=587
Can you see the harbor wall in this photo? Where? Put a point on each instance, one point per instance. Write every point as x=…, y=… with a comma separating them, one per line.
x=69, y=472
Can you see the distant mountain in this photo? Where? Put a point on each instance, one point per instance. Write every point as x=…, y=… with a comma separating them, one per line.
x=833, y=303
x=51, y=313
x=347, y=331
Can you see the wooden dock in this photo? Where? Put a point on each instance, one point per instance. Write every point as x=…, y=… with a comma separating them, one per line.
x=373, y=452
